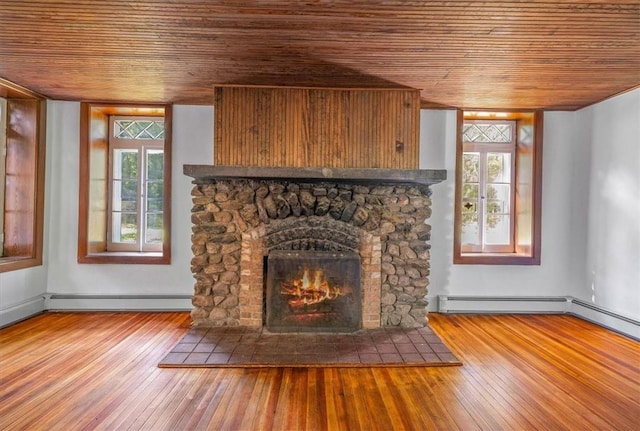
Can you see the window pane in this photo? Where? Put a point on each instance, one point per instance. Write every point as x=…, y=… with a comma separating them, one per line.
x=153, y=234
x=499, y=167
x=125, y=227
x=470, y=192
x=497, y=229
x=139, y=129
x=155, y=164
x=470, y=226
x=470, y=229
x=471, y=167
x=155, y=196
x=487, y=132
x=498, y=198
x=125, y=164
x=125, y=195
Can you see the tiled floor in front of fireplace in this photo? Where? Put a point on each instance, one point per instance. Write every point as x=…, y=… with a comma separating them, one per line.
x=258, y=347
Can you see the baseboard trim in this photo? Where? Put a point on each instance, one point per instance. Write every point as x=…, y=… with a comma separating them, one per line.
x=22, y=311
x=446, y=304
x=502, y=304
x=605, y=318
x=540, y=305
x=67, y=302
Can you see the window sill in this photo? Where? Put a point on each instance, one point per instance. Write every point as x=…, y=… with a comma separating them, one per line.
x=120, y=257
x=13, y=263
x=496, y=259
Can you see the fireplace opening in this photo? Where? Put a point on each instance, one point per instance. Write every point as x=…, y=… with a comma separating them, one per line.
x=313, y=291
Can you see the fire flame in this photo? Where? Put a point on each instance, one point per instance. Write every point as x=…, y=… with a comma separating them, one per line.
x=311, y=288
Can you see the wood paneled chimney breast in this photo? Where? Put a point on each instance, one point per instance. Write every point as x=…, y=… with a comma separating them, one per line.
x=317, y=127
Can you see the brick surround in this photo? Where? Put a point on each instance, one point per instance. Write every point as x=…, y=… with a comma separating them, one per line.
x=251, y=295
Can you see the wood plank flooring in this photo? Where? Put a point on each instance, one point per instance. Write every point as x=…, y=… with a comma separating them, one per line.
x=86, y=371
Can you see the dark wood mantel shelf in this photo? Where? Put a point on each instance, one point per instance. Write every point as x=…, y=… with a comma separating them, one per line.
x=359, y=175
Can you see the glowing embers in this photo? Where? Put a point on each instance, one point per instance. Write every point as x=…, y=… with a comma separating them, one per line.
x=313, y=291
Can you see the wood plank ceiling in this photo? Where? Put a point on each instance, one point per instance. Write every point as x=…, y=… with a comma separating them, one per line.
x=467, y=54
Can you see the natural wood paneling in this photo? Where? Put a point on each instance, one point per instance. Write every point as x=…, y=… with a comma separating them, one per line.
x=305, y=127
x=509, y=54
x=20, y=187
x=98, y=179
x=23, y=175
x=98, y=371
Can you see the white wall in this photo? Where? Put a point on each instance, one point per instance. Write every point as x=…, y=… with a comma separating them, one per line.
x=192, y=143
x=590, y=212
x=590, y=228
x=612, y=272
x=21, y=293
x=551, y=278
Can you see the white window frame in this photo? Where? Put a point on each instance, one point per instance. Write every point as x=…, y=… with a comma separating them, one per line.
x=142, y=146
x=483, y=149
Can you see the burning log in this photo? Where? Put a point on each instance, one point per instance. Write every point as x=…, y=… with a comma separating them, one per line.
x=308, y=291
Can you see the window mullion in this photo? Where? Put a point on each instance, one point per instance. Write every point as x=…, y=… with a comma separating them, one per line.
x=512, y=201
x=141, y=196
x=482, y=193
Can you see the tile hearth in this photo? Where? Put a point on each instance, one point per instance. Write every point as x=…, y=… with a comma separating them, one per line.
x=257, y=347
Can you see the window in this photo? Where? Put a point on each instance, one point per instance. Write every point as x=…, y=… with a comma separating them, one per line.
x=22, y=148
x=125, y=184
x=498, y=182
x=488, y=156
x=136, y=178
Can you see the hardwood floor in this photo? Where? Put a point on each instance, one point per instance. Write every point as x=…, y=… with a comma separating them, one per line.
x=85, y=371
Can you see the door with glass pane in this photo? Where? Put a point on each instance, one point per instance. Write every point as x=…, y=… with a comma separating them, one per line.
x=136, y=184
x=487, y=186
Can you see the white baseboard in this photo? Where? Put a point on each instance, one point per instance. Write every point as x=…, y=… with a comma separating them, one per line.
x=502, y=304
x=540, y=305
x=445, y=304
x=603, y=317
x=64, y=302
x=21, y=311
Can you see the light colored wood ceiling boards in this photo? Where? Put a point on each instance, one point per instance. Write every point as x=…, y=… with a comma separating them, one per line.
x=466, y=54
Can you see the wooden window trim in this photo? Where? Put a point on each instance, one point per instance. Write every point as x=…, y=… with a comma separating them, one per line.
x=522, y=256
x=85, y=255
x=35, y=218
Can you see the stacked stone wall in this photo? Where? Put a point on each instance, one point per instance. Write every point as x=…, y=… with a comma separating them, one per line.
x=273, y=214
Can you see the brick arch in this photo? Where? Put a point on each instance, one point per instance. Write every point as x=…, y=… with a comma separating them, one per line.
x=312, y=233
x=255, y=246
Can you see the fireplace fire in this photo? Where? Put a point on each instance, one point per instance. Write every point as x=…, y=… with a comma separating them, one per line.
x=313, y=291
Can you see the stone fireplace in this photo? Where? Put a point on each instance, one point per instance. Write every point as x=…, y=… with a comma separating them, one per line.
x=246, y=218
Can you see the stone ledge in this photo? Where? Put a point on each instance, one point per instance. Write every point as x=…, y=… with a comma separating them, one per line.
x=357, y=175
